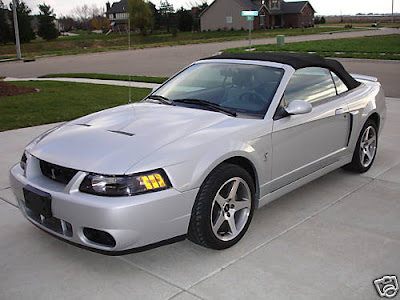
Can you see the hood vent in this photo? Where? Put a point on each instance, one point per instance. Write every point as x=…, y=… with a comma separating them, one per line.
x=122, y=132
x=86, y=125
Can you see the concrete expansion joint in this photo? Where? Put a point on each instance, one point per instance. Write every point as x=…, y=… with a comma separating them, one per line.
x=1, y=198
x=283, y=233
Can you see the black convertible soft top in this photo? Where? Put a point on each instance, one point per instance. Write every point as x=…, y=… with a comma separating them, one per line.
x=297, y=61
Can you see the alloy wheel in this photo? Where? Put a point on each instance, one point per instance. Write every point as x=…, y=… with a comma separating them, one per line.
x=368, y=146
x=230, y=209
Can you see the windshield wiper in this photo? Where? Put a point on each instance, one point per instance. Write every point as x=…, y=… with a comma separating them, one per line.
x=161, y=99
x=205, y=103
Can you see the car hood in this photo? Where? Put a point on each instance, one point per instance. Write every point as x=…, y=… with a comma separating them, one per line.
x=113, y=140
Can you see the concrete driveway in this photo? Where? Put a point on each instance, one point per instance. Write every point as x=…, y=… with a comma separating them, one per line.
x=329, y=239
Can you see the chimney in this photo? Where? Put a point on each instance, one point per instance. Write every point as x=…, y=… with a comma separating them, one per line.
x=108, y=6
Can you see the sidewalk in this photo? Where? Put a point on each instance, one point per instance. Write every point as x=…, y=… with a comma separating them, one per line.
x=94, y=81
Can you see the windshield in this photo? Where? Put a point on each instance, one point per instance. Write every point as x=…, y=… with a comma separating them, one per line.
x=243, y=89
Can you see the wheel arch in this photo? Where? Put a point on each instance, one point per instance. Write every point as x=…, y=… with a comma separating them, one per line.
x=376, y=118
x=247, y=165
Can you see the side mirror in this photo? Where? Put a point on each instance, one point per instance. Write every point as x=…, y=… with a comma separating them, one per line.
x=298, y=107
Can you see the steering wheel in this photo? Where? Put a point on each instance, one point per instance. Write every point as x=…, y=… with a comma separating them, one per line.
x=252, y=98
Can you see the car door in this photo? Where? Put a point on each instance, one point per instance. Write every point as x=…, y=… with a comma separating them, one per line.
x=303, y=144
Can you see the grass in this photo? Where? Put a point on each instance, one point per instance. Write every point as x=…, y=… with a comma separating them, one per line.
x=148, y=79
x=89, y=43
x=60, y=101
x=377, y=47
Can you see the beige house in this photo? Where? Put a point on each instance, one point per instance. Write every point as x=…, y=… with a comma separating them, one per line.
x=226, y=14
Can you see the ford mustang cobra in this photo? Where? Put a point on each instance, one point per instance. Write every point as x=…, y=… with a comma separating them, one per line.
x=226, y=135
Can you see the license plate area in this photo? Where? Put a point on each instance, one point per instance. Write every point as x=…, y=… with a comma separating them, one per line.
x=38, y=201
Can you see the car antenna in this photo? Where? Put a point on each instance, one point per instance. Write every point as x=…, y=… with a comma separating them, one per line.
x=129, y=51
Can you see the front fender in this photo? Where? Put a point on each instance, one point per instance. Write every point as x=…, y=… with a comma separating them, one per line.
x=188, y=162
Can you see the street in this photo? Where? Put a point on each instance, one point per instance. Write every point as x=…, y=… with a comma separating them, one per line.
x=328, y=239
x=166, y=61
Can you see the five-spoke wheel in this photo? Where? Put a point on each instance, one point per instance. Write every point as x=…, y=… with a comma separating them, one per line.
x=230, y=209
x=365, y=151
x=223, y=208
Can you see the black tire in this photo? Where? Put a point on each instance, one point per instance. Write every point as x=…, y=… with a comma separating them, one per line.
x=207, y=208
x=357, y=164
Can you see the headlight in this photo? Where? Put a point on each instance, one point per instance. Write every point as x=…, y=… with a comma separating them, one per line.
x=22, y=163
x=105, y=185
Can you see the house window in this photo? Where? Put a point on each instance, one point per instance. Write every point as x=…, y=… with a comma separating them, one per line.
x=275, y=4
x=262, y=19
x=229, y=20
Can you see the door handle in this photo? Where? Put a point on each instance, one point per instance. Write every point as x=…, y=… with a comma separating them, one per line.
x=339, y=111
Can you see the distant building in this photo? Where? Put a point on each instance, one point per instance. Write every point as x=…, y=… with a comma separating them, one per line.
x=118, y=15
x=226, y=14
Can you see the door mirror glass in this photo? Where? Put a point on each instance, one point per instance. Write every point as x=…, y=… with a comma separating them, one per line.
x=298, y=107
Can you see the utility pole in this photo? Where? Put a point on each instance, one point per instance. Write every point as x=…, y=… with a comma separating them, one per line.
x=392, y=11
x=16, y=29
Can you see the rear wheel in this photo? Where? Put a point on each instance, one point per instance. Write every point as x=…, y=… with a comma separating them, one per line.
x=223, y=208
x=365, y=151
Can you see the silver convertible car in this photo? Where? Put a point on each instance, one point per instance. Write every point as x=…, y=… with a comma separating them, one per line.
x=195, y=158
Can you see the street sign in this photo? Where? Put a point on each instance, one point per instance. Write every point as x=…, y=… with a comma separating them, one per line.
x=250, y=18
x=249, y=13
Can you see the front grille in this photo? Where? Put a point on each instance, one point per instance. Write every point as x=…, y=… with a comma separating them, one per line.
x=57, y=173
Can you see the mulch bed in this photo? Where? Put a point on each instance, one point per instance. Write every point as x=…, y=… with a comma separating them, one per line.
x=7, y=89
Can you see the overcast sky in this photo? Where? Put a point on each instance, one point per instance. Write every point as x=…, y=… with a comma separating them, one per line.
x=323, y=7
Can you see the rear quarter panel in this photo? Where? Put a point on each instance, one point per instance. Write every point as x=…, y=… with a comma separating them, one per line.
x=363, y=102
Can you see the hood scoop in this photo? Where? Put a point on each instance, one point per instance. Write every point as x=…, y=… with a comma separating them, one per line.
x=85, y=125
x=122, y=132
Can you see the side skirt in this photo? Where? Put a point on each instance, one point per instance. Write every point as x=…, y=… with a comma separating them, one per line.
x=302, y=181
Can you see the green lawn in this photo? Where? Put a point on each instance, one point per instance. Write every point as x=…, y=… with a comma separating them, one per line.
x=148, y=79
x=60, y=101
x=87, y=43
x=376, y=47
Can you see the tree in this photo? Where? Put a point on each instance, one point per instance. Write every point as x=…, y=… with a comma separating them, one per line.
x=5, y=29
x=156, y=15
x=140, y=16
x=26, y=33
x=83, y=15
x=66, y=23
x=185, y=20
x=167, y=11
x=100, y=23
x=47, y=28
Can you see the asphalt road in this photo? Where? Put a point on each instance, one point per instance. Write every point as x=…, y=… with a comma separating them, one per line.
x=166, y=61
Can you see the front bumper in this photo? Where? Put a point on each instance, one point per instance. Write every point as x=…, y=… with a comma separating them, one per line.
x=133, y=222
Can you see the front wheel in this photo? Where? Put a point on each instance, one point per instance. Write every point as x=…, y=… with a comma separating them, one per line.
x=366, y=148
x=223, y=208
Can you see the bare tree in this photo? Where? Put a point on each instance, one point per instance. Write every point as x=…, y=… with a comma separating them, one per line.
x=85, y=13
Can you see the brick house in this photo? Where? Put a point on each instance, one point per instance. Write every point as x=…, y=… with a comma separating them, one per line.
x=226, y=14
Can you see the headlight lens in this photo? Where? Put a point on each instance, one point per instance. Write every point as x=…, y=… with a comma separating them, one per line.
x=22, y=163
x=113, y=186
